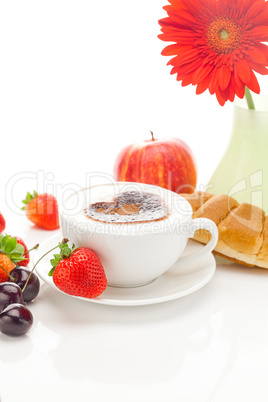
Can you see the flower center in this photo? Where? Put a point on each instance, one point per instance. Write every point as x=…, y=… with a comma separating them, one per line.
x=224, y=35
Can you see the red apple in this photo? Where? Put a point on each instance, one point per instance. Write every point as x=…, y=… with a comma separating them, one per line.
x=167, y=163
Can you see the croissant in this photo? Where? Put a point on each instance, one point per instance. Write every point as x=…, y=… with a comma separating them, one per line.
x=243, y=228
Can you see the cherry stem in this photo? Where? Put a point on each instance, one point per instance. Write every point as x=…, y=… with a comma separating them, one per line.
x=10, y=277
x=152, y=134
x=31, y=249
x=26, y=283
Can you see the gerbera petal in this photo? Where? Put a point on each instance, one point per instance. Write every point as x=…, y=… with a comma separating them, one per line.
x=243, y=70
x=236, y=81
x=261, y=18
x=178, y=38
x=184, y=18
x=214, y=82
x=259, y=33
x=237, y=85
x=174, y=70
x=244, y=4
x=165, y=22
x=258, y=68
x=171, y=50
x=240, y=92
x=176, y=3
x=220, y=98
x=192, y=5
x=224, y=77
x=203, y=85
x=257, y=11
x=264, y=49
x=202, y=72
x=187, y=80
x=253, y=84
x=188, y=68
x=177, y=59
x=217, y=44
x=177, y=35
x=188, y=56
x=257, y=56
x=231, y=92
x=227, y=93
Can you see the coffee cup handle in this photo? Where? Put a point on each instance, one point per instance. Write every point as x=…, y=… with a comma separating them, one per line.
x=201, y=223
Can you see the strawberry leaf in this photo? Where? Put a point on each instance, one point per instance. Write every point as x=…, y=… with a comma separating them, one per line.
x=16, y=257
x=29, y=197
x=65, y=252
x=19, y=249
x=10, y=247
x=54, y=262
x=10, y=244
x=3, y=240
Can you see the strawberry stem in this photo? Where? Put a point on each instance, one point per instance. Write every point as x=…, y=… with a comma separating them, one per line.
x=26, y=283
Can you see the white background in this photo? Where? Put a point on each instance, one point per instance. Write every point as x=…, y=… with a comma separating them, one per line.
x=79, y=80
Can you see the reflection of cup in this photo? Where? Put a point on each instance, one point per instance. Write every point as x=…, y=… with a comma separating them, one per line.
x=140, y=246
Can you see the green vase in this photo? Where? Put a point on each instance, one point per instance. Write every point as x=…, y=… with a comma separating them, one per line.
x=243, y=170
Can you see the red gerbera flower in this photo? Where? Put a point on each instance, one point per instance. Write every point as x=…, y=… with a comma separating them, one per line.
x=218, y=44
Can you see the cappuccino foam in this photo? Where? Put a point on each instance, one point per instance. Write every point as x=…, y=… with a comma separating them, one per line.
x=129, y=207
x=144, y=207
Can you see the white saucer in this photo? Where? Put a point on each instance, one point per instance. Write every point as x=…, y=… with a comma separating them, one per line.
x=171, y=285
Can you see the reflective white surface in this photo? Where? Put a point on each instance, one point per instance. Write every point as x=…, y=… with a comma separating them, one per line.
x=214, y=338
x=80, y=80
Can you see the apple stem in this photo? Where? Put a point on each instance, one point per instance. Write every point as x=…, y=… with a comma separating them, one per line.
x=152, y=135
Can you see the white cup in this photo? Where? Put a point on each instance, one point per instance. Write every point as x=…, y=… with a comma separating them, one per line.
x=134, y=254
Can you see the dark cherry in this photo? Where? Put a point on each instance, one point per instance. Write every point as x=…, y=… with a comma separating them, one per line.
x=10, y=293
x=16, y=319
x=20, y=276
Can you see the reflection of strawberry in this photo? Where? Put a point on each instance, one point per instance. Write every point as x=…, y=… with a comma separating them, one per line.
x=26, y=260
x=78, y=272
x=42, y=209
x=11, y=253
x=2, y=223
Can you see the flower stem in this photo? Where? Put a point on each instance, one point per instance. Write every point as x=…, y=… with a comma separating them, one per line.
x=249, y=99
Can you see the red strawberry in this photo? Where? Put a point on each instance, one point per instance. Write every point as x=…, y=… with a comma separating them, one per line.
x=26, y=260
x=6, y=265
x=2, y=223
x=42, y=209
x=11, y=253
x=78, y=272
